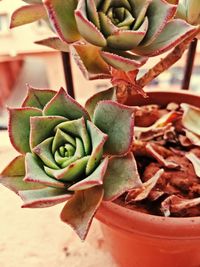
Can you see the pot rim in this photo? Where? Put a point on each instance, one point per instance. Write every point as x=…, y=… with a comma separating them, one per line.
x=132, y=221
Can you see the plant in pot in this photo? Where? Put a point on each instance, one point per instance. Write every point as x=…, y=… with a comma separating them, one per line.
x=141, y=181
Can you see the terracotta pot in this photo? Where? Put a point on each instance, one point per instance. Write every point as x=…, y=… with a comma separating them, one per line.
x=137, y=239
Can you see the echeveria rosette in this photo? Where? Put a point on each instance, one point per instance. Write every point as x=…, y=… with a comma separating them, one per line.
x=69, y=153
x=125, y=28
x=117, y=33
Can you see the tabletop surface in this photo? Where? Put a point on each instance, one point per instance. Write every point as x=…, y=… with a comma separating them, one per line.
x=37, y=237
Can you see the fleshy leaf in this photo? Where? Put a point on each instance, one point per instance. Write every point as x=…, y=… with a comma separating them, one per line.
x=36, y=174
x=64, y=105
x=77, y=128
x=61, y=138
x=47, y=124
x=27, y=14
x=121, y=176
x=195, y=162
x=173, y=33
x=90, y=62
x=43, y=150
x=12, y=176
x=123, y=60
x=61, y=14
x=142, y=192
x=19, y=127
x=191, y=118
x=92, y=12
x=116, y=120
x=42, y=198
x=159, y=13
x=127, y=39
x=81, y=208
x=109, y=94
x=37, y=98
x=94, y=179
x=55, y=43
x=140, y=9
x=87, y=29
x=98, y=140
x=71, y=172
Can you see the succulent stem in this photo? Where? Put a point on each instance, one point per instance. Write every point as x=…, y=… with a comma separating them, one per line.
x=168, y=61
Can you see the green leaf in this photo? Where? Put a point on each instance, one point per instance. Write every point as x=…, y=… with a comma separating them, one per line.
x=89, y=61
x=81, y=208
x=38, y=98
x=159, y=14
x=19, y=127
x=191, y=118
x=47, y=124
x=86, y=28
x=127, y=39
x=98, y=139
x=121, y=176
x=36, y=174
x=109, y=94
x=27, y=14
x=43, y=198
x=92, y=12
x=173, y=34
x=71, y=172
x=61, y=138
x=61, y=14
x=78, y=154
x=64, y=105
x=122, y=60
x=77, y=128
x=116, y=120
x=43, y=150
x=107, y=26
x=94, y=179
x=55, y=43
x=140, y=8
x=12, y=176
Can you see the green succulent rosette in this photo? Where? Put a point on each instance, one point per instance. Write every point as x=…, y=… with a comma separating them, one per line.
x=70, y=153
x=104, y=33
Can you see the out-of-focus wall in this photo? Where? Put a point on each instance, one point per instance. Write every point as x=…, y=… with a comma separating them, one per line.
x=20, y=39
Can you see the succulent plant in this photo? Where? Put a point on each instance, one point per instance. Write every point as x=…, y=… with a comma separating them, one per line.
x=103, y=33
x=189, y=10
x=70, y=154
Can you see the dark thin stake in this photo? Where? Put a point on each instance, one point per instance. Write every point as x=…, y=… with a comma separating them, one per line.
x=189, y=65
x=68, y=73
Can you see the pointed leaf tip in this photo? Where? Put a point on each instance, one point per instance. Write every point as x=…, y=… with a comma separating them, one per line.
x=81, y=208
x=121, y=176
x=117, y=121
x=62, y=104
x=27, y=14
x=61, y=14
x=19, y=127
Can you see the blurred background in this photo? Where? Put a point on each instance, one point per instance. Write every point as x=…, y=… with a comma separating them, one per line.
x=22, y=61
